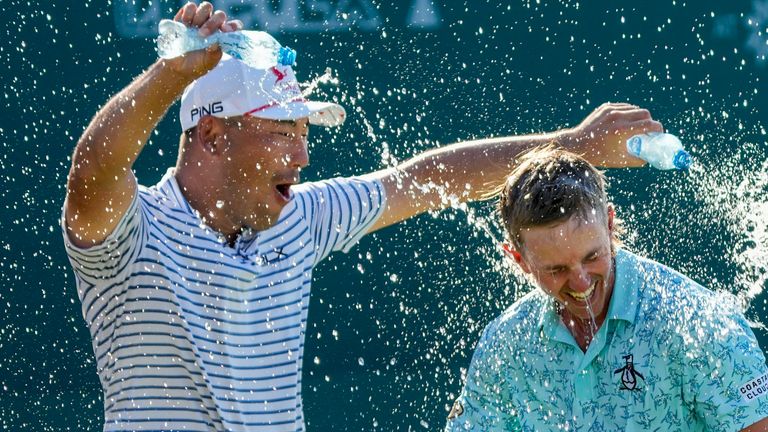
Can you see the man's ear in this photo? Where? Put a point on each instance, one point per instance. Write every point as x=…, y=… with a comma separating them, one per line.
x=209, y=130
x=515, y=255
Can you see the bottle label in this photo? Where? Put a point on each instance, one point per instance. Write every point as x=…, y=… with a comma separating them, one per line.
x=635, y=145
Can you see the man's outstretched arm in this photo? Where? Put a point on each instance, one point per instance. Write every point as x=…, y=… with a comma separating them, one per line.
x=468, y=171
x=101, y=184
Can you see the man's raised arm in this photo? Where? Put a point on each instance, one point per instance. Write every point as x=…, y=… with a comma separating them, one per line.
x=468, y=171
x=101, y=184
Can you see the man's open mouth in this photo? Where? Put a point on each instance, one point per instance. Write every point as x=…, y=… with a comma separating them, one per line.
x=284, y=189
x=586, y=294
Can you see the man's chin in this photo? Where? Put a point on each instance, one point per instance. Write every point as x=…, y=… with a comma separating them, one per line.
x=579, y=309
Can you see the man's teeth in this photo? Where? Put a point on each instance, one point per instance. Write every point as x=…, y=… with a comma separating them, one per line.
x=584, y=295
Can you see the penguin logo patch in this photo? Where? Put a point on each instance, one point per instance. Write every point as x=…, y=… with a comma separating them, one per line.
x=629, y=375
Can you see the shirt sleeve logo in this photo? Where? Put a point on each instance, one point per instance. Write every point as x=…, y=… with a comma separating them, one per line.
x=629, y=375
x=456, y=410
x=754, y=388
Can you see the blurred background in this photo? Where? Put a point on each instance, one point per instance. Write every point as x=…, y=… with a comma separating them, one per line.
x=393, y=323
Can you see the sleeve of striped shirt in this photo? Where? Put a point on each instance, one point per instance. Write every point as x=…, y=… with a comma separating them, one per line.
x=340, y=211
x=105, y=261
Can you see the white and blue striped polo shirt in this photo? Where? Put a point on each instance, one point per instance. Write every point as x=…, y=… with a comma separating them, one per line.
x=191, y=334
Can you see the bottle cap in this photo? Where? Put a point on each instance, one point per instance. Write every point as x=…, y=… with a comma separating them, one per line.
x=286, y=56
x=682, y=160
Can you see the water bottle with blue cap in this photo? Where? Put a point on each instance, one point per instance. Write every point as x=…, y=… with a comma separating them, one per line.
x=255, y=48
x=661, y=150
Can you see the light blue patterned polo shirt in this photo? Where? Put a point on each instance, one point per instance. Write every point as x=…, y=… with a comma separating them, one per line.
x=671, y=355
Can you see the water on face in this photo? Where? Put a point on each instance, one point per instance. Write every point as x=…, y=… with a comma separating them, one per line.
x=592, y=323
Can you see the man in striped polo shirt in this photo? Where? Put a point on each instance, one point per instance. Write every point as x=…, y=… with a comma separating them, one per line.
x=196, y=290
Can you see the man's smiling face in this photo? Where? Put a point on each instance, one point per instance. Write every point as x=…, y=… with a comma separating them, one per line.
x=572, y=261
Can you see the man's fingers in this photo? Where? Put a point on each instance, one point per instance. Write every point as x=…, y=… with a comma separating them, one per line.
x=614, y=106
x=622, y=105
x=214, y=23
x=644, y=126
x=652, y=126
x=231, y=26
x=186, y=13
x=206, y=19
x=632, y=115
x=213, y=48
x=610, y=111
x=202, y=15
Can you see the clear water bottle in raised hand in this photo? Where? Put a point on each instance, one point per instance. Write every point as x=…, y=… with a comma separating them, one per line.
x=256, y=48
x=661, y=150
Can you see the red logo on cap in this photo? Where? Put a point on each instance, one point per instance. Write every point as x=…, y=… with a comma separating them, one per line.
x=279, y=74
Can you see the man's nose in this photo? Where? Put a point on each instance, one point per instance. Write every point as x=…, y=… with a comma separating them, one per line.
x=579, y=280
x=298, y=157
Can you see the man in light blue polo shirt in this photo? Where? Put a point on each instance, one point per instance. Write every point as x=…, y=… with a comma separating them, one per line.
x=611, y=340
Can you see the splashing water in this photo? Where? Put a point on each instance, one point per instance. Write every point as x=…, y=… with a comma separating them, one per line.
x=752, y=246
x=592, y=322
x=326, y=78
x=736, y=192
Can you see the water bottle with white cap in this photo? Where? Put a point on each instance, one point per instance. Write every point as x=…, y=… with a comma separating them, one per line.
x=255, y=48
x=661, y=150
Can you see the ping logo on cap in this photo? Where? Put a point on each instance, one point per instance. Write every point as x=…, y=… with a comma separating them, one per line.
x=212, y=108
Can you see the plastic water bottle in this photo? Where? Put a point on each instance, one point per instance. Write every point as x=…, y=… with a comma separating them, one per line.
x=256, y=48
x=661, y=150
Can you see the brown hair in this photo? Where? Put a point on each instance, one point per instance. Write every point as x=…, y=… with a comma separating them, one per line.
x=550, y=185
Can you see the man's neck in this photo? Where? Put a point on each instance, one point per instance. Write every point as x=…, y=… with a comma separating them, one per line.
x=583, y=331
x=198, y=196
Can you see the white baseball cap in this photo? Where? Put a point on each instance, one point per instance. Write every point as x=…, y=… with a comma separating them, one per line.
x=233, y=88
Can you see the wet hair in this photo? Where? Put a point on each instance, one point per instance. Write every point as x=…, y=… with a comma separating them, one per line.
x=189, y=133
x=548, y=186
x=185, y=139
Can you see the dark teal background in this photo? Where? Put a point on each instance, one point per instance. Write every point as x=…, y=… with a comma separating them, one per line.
x=393, y=323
